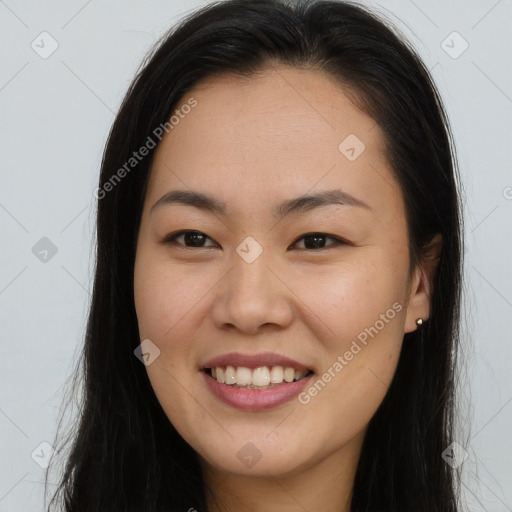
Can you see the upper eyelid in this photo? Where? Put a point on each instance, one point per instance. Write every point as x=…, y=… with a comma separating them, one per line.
x=184, y=231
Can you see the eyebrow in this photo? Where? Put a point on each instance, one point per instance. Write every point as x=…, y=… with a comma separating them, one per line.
x=299, y=204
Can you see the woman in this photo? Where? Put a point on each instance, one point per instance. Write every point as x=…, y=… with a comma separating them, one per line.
x=275, y=311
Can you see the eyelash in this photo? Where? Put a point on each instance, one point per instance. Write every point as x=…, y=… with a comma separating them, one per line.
x=171, y=239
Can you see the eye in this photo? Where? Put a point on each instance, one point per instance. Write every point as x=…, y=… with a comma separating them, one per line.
x=317, y=240
x=194, y=238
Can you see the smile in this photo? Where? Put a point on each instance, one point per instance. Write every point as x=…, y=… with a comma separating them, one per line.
x=264, y=377
x=249, y=397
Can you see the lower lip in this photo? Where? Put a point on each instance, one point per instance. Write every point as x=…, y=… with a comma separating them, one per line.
x=255, y=399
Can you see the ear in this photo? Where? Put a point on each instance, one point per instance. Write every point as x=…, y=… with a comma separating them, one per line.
x=422, y=284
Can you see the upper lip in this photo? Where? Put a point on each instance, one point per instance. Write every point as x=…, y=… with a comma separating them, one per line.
x=254, y=361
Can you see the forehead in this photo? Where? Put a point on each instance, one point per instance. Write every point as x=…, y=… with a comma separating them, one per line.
x=274, y=134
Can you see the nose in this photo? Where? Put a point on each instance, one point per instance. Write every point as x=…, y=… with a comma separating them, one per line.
x=252, y=298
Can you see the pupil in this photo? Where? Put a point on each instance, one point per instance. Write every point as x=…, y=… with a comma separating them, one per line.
x=193, y=238
x=316, y=244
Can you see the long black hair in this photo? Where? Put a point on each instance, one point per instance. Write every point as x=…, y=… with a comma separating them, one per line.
x=124, y=453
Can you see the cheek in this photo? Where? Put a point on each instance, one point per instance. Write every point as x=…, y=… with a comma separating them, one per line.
x=164, y=297
x=352, y=296
x=152, y=304
x=362, y=316
x=165, y=302
x=362, y=312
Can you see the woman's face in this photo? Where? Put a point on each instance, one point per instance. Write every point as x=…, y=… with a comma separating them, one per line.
x=249, y=282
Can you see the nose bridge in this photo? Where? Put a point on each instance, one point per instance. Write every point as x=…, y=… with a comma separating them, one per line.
x=250, y=259
x=250, y=280
x=251, y=295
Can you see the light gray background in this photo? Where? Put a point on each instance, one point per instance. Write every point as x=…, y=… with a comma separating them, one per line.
x=55, y=117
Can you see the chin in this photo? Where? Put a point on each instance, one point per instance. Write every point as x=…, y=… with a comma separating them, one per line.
x=268, y=465
x=255, y=456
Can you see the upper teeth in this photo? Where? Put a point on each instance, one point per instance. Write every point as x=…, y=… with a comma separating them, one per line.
x=261, y=376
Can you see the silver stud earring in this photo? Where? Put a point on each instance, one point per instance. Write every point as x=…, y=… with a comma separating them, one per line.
x=419, y=322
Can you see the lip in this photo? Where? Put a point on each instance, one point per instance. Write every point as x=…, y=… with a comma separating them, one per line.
x=253, y=361
x=255, y=399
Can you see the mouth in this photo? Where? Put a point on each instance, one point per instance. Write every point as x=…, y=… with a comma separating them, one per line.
x=263, y=377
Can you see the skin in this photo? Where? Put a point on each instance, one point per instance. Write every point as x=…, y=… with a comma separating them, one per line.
x=253, y=143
